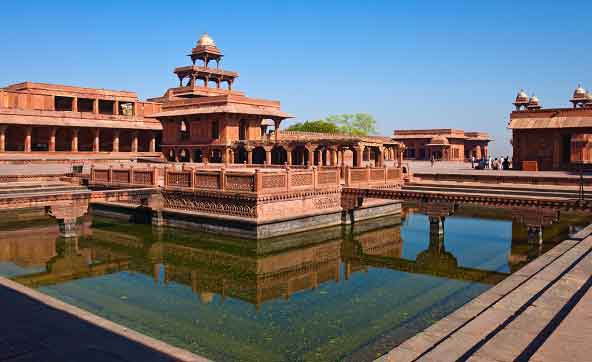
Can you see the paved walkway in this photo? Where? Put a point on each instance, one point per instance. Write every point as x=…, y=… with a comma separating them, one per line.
x=542, y=313
x=33, y=331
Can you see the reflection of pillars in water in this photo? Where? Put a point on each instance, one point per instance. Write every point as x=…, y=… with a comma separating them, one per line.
x=68, y=227
x=347, y=270
x=70, y=246
x=437, y=239
x=437, y=225
x=535, y=234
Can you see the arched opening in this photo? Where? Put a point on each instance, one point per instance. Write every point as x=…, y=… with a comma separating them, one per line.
x=40, y=139
x=279, y=156
x=184, y=130
x=171, y=155
x=240, y=155
x=85, y=139
x=63, y=139
x=259, y=155
x=125, y=141
x=184, y=155
x=197, y=156
x=15, y=138
x=243, y=126
x=106, y=140
x=216, y=156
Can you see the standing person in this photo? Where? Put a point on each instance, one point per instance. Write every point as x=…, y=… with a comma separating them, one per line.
x=472, y=161
x=432, y=160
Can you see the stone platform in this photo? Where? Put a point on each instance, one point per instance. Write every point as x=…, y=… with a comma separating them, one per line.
x=540, y=313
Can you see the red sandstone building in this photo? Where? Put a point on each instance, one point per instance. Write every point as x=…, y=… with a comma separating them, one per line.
x=49, y=118
x=551, y=138
x=442, y=144
x=202, y=120
x=205, y=120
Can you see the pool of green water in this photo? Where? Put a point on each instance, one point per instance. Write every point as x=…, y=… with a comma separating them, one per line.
x=330, y=295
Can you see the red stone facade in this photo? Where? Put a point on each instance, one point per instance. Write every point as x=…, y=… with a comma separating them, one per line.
x=554, y=138
x=49, y=118
x=443, y=144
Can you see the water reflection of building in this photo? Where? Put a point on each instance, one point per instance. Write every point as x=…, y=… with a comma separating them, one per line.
x=258, y=272
x=29, y=248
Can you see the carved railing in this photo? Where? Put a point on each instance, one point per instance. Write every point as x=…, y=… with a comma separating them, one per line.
x=257, y=181
x=130, y=176
x=373, y=176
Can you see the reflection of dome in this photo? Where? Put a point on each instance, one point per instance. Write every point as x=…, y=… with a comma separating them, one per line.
x=206, y=297
x=439, y=140
x=521, y=97
x=206, y=40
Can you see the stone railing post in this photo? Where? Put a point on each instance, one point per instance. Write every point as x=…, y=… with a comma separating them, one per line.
x=288, y=178
x=155, y=176
x=110, y=177
x=347, y=176
x=222, y=179
x=192, y=178
x=315, y=177
x=131, y=175
x=258, y=181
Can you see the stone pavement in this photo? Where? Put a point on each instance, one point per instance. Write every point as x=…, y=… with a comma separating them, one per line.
x=32, y=331
x=541, y=313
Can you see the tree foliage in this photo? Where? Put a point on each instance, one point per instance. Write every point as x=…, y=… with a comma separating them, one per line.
x=359, y=124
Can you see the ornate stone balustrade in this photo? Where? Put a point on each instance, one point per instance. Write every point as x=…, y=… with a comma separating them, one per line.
x=247, y=181
x=129, y=176
x=373, y=176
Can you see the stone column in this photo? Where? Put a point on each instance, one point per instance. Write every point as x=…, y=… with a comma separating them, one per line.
x=319, y=157
x=96, y=106
x=28, y=131
x=115, y=107
x=268, y=156
x=97, y=140
x=289, y=156
x=334, y=157
x=75, y=104
x=276, y=132
x=400, y=158
x=74, y=145
x=135, y=142
x=52, y=139
x=310, y=152
x=359, y=153
x=379, y=157
x=152, y=143
x=231, y=155
x=342, y=157
x=2, y=138
x=249, y=157
x=115, y=140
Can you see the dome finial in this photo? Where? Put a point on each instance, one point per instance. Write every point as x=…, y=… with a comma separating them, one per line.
x=206, y=40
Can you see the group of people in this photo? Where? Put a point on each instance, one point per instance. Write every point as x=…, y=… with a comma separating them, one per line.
x=502, y=163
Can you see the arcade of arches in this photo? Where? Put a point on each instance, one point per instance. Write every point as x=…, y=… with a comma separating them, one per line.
x=21, y=138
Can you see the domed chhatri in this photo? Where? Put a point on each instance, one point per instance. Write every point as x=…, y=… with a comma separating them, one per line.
x=206, y=50
x=580, y=97
x=206, y=40
x=534, y=103
x=521, y=100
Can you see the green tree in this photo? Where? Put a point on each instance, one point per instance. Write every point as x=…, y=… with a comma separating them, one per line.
x=320, y=126
x=359, y=124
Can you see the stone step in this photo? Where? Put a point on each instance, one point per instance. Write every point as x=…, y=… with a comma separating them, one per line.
x=502, y=191
x=506, y=322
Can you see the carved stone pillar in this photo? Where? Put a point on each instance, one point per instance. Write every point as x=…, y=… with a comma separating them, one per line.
x=289, y=156
x=75, y=104
x=95, y=106
x=67, y=214
x=51, y=145
x=152, y=147
x=359, y=153
x=319, y=157
x=276, y=132
x=28, y=131
x=135, y=142
x=115, y=140
x=97, y=140
x=249, y=156
x=310, y=151
x=115, y=107
x=74, y=146
x=231, y=155
x=268, y=156
x=2, y=138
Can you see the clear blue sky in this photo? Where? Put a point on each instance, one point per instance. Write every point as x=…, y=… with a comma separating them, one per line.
x=412, y=64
